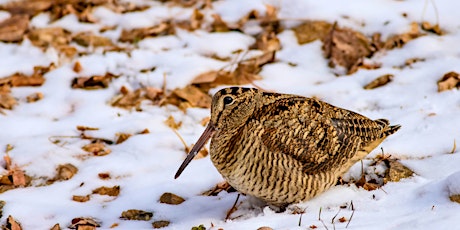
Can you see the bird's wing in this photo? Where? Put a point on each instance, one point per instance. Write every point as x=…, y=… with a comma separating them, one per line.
x=299, y=127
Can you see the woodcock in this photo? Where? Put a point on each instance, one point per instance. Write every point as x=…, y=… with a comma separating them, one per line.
x=284, y=148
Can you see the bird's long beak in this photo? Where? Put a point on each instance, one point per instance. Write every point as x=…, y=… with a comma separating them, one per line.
x=210, y=129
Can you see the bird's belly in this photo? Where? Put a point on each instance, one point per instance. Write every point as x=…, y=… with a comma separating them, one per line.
x=277, y=179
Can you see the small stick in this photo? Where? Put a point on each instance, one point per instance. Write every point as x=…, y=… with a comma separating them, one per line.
x=233, y=209
x=319, y=218
x=353, y=212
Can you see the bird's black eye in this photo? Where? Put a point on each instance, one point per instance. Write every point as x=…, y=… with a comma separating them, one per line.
x=228, y=100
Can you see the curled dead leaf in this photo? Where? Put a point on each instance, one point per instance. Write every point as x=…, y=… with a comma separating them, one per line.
x=89, y=39
x=80, y=198
x=380, y=81
x=66, y=171
x=13, y=28
x=223, y=186
x=346, y=47
x=12, y=224
x=97, y=148
x=31, y=8
x=397, y=171
x=171, y=123
x=312, y=30
x=134, y=214
x=170, y=198
x=432, y=28
x=34, y=97
x=7, y=101
x=86, y=223
x=449, y=81
x=135, y=35
x=122, y=137
x=194, y=96
x=94, y=82
x=50, y=36
x=108, y=191
x=160, y=224
x=399, y=40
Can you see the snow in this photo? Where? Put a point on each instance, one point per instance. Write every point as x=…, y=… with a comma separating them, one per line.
x=144, y=165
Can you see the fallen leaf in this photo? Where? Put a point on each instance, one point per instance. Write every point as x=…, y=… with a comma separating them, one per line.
x=34, y=97
x=80, y=198
x=170, y=198
x=109, y=191
x=31, y=8
x=265, y=228
x=399, y=40
x=94, y=82
x=65, y=171
x=132, y=99
x=449, y=81
x=134, y=214
x=7, y=101
x=223, y=186
x=218, y=25
x=122, y=137
x=135, y=35
x=160, y=224
x=380, y=81
x=145, y=131
x=432, y=28
x=268, y=42
x=194, y=96
x=397, y=171
x=56, y=227
x=49, y=36
x=13, y=28
x=85, y=128
x=88, y=39
x=346, y=47
x=171, y=123
x=312, y=30
x=86, y=223
x=342, y=219
x=455, y=198
x=97, y=148
x=12, y=224
x=104, y=176
x=77, y=67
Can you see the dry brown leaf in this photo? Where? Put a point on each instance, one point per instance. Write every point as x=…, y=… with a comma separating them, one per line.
x=396, y=171
x=135, y=35
x=30, y=8
x=170, y=198
x=311, y=31
x=13, y=28
x=50, y=36
x=84, y=223
x=34, y=97
x=12, y=224
x=160, y=224
x=104, y=176
x=380, y=81
x=218, y=25
x=134, y=214
x=145, y=131
x=206, y=77
x=77, y=67
x=94, y=82
x=108, y=191
x=81, y=198
x=346, y=48
x=171, y=123
x=122, y=137
x=222, y=186
x=449, y=81
x=89, y=39
x=432, y=28
x=66, y=171
x=194, y=96
x=97, y=148
x=56, y=227
x=399, y=40
x=7, y=101
x=342, y=219
x=268, y=42
x=265, y=228
x=455, y=198
x=18, y=177
x=132, y=99
x=83, y=128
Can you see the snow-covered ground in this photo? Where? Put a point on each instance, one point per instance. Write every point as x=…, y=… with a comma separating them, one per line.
x=144, y=165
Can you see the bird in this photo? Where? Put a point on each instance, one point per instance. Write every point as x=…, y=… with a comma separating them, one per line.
x=284, y=148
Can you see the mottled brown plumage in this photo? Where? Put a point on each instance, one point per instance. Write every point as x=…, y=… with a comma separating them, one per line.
x=285, y=148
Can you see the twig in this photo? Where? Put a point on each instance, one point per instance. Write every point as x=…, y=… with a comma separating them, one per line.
x=181, y=139
x=353, y=212
x=454, y=147
x=319, y=218
x=333, y=218
x=300, y=218
x=233, y=209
